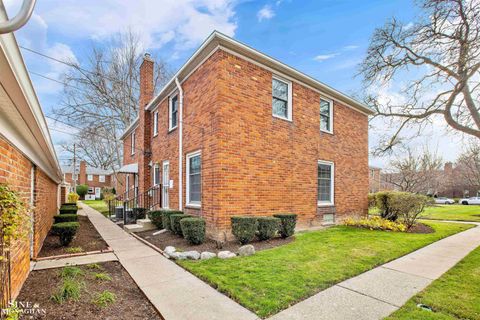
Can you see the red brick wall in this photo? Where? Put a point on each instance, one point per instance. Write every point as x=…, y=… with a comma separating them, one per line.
x=254, y=163
x=15, y=170
x=95, y=183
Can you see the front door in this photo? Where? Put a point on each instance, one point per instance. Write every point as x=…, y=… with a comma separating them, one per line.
x=98, y=192
x=165, y=183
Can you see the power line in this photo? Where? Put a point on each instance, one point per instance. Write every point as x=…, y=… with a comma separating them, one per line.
x=54, y=80
x=75, y=66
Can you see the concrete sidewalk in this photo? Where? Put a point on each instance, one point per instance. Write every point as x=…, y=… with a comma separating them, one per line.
x=175, y=293
x=377, y=293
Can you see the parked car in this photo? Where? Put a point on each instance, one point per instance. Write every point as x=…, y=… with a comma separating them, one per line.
x=471, y=200
x=444, y=200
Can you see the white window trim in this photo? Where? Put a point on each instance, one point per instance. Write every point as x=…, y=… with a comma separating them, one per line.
x=132, y=143
x=89, y=177
x=170, y=128
x=101, y=178
x=332, y=187
x=289, y=97
x=196, y=204
x=165, y=204
x=155, y=123
x=330, y=116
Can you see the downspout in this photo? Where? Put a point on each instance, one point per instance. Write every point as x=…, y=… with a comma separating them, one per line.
x=180, y=145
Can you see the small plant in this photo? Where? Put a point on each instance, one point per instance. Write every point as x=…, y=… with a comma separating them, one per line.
x=70, y=272
x=66, y=231
x=104, y=298
x=102, y=276
x=288, y=222
x=73, y=198
x=244, y=228
x=193, y=229
x=74, y=250
x=82, y=190
x=94, y=266
x=156, y=218
x=175, y=222
x=375, y=223
x=268, y=227
x=166, y=218
x=70, y=289
x=68, y=217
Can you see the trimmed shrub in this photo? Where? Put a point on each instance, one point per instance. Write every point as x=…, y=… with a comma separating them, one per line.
x=139, y=213
x=382, y=203
x=175, y=222
x=72, y=198
x=408, y=206
x=65, y=218
x=375, y=223
x=288, y=222
x=268, y=227
x=68, y=209
x=69, y=204
x=66, y=231
x=244, y=228
x=166, y=218
x=156, y=218
x=82, y=190
x=193, y=229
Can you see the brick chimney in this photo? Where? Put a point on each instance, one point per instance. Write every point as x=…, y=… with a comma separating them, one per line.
x=82, y=175
x=448, y=168
x=144, y=125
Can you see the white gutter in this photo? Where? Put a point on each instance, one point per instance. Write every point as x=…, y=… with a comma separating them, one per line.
x=180, y=145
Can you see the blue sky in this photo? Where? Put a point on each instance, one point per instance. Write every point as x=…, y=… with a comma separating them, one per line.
x=325, y=38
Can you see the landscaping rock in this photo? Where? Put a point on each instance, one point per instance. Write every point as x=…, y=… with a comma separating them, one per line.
x=192, y=255
x=226, y=255
x=207, y=255
x=246, y=250
x=169, y=250
x=178, y=256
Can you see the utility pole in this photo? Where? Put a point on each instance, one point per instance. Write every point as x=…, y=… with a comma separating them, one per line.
x=74, y=167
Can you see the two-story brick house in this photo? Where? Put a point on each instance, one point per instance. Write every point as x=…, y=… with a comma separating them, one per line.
x=253, y=137
x=95, y=178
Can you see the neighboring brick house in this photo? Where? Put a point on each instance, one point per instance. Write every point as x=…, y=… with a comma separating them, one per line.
x=374, y=179
x=95, y=178
x=254, y=137
x=453, y=185
x=28, y=163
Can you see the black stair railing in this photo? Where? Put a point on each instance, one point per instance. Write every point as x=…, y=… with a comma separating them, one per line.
x=131, y=208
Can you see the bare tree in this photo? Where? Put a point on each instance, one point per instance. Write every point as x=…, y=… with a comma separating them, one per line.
x=415, y=173
x=101, y=98
x=468, y=166
x=440, y=56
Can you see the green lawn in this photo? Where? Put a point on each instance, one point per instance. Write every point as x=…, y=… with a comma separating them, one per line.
x=98, y=205
x=273, y=280
x=456, y=212
x=455, y=295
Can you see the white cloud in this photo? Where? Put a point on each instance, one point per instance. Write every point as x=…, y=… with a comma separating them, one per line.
x=265, y=13
x=323, y=57
x=185, y=23
x=350, y=47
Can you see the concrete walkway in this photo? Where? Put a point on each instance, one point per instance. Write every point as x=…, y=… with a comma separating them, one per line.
x=176, y=293
x=377, y=293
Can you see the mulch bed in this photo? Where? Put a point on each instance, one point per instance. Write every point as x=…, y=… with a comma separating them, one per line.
x=168, y=238
x=421, y=228
x=87, y=238
x=130, y=302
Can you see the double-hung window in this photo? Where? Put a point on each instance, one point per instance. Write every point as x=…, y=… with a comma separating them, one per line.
x=155, y=123
x=326, y=115
x=156, y=174
x=194, y=179
x=132, y=143
x=325, y=183
x=90, y=177
x=173, y=112
x=101, y=178
x=281, y=98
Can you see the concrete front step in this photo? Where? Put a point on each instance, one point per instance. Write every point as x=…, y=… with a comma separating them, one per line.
x=141, y=225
